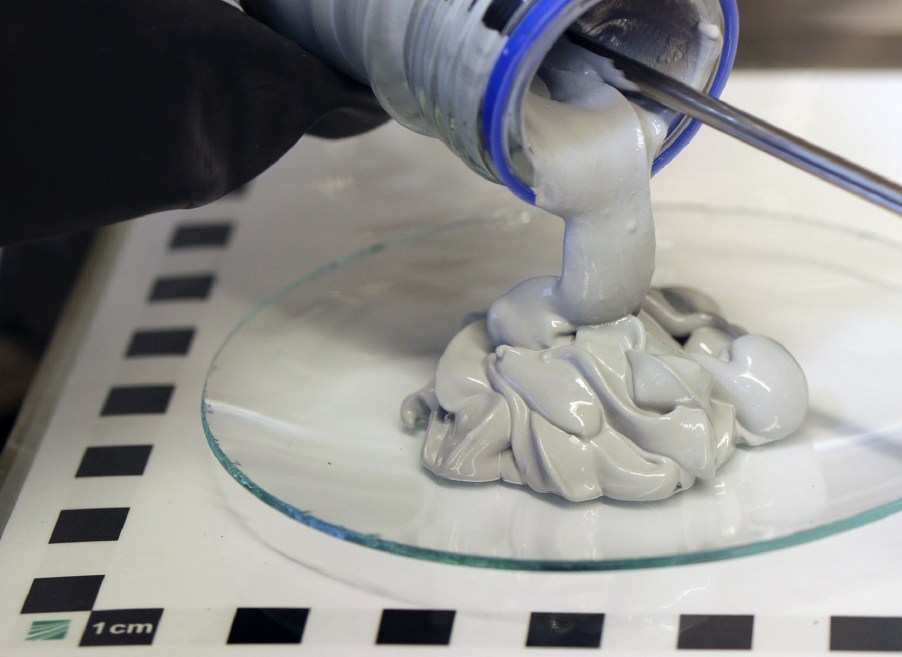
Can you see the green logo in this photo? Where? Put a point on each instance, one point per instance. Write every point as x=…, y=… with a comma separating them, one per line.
x=48, y=630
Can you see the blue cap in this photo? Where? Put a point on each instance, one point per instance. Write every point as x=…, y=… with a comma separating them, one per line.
x=520, y=41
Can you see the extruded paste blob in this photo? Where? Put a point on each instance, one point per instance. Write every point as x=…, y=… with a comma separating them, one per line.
x=592, y=383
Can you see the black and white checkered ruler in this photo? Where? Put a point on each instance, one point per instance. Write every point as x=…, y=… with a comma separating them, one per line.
x=125, y=531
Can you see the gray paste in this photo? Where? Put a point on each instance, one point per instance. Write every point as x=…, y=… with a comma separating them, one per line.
x=592, y=383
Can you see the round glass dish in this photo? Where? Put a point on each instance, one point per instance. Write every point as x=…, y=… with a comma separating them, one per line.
x=301, y=403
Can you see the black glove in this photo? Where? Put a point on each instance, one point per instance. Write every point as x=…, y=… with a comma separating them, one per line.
x=112, y=109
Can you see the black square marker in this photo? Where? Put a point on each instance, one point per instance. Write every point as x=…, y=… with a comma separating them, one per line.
x=52, y=594
x=118, y=461
x=268, y=625
x=137, y=400
x=192, y=236
x=88, y=525
x=160, y=342
x=552, y=630
x=182, y=288
x=421, y=627
x=121, y=627
x=866, y=633
x=715, y=632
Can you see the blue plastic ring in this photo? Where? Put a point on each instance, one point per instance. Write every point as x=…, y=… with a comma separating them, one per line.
x=501, y=82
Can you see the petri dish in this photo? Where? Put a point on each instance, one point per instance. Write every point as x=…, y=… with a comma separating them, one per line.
x=301, y=402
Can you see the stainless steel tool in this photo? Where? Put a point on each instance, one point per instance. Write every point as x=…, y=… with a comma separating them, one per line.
x=719, y=115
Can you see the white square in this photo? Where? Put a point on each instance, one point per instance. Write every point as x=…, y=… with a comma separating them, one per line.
x=785, y=633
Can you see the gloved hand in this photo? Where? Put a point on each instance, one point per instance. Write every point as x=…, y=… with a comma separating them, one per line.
x=112, y=109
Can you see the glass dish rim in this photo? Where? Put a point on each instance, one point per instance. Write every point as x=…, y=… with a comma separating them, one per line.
x=507, y=563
